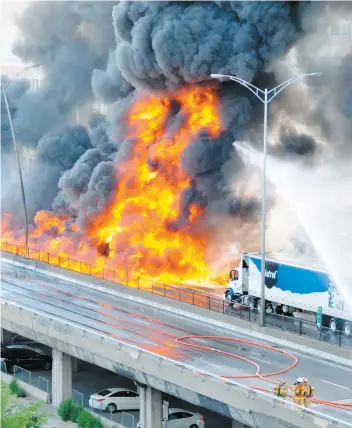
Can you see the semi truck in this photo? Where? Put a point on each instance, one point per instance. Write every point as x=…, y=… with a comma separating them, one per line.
x=293, y=287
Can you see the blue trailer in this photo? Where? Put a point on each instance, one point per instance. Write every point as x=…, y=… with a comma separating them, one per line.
x=292, y=286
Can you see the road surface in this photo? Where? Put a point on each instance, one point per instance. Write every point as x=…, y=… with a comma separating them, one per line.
x=158, y=331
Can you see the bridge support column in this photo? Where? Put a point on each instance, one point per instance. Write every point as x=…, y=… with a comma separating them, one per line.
x=151, y=407
x=61, y=377
x=142, y=406
x=74, y=362
x=6, y=337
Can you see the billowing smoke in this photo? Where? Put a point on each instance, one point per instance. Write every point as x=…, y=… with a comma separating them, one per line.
x=110, y=51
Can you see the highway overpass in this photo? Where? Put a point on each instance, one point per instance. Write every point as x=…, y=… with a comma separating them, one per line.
x=139, y=342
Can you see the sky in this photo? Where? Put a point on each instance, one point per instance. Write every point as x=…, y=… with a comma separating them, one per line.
x=9, y=30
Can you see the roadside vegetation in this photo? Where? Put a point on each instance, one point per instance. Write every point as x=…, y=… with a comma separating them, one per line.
x=16, y=415
x=70, y=411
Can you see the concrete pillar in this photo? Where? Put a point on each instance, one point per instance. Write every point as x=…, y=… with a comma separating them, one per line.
x=6, y=337
x=154, y=408
x=142, y=406
x=74, y=362
x=61, y=377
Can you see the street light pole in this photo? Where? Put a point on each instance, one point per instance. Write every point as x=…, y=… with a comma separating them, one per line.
x=265, y=97
x=4, y=91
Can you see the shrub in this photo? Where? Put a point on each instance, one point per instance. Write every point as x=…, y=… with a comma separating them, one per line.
x=97, y=424
x=65, y=409
x=20, y=392
x=15, y=389
x=75, y=412
x=87, y=420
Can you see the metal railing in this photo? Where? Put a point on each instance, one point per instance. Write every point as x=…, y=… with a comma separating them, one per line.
x=3, y=367
x=96, y=406
x=77, y=397
x=294, y=325
x=181, y=294
x=43, y=384
x=121, y=277
x=22, y=374
x=126, y=420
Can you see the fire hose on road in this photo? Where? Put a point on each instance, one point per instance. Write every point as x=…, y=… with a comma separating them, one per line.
x=184, y=340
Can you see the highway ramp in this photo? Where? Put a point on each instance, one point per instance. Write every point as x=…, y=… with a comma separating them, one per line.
x=155, y=330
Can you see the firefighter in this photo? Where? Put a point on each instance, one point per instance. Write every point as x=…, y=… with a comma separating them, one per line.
x=298, y=397
x=281, y=389
x=308, y=392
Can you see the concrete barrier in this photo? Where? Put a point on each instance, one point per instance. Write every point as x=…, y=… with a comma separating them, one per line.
x=285, y=339
x=28, y=389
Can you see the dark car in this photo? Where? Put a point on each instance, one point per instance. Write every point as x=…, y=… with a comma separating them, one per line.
x=26, y=357
x=21, y=340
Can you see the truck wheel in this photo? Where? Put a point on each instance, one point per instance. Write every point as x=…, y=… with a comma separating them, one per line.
x=259, y=306
x=347, y=328
x=229, y=299
x=285, y=309
x=252, y=304
x=333, y=325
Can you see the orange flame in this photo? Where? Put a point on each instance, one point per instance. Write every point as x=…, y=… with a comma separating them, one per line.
x=137, y=227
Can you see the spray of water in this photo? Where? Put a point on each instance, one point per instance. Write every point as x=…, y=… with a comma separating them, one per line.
x=320, y=198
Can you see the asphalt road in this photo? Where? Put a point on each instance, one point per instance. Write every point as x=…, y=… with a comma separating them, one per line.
x=157, y=331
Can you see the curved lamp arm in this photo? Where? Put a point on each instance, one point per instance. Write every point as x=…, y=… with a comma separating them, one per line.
x=9, y=82
x=256, y=91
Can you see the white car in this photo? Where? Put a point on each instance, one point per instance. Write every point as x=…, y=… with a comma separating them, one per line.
x=113, y=399
x=179, y=418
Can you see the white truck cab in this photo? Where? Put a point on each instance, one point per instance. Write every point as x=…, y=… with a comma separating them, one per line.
x=237, y=287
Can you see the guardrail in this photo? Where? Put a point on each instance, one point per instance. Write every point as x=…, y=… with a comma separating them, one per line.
x=77, y=397
x=123, y=418
x=294, y=325
x=194, y=298
x=120, y=277
x=25, y=376
x=43, y=384
x=136, y=353
x=22, y=374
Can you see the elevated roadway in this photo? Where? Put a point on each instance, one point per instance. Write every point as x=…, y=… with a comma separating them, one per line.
x=110, y=321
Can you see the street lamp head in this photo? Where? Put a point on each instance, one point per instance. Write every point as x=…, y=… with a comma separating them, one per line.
x=220, y=76
x=36, y=65
x=319, y=73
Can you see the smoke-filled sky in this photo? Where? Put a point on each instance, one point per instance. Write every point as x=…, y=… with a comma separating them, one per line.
x=113, y=52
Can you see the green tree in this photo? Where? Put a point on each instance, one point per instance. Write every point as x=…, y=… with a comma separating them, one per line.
x=14, y=415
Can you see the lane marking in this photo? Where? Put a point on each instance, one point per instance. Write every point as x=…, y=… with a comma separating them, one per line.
x=263, y=361
x=212, y=364
x=255, y=353
x=201, y=359
x=200, y=340
x=335, y=384
x=143, y=322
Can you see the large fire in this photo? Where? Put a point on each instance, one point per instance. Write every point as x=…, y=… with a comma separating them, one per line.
x=138, y=228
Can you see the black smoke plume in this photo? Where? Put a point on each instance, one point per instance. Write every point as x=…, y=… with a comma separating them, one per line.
x=108, y=52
